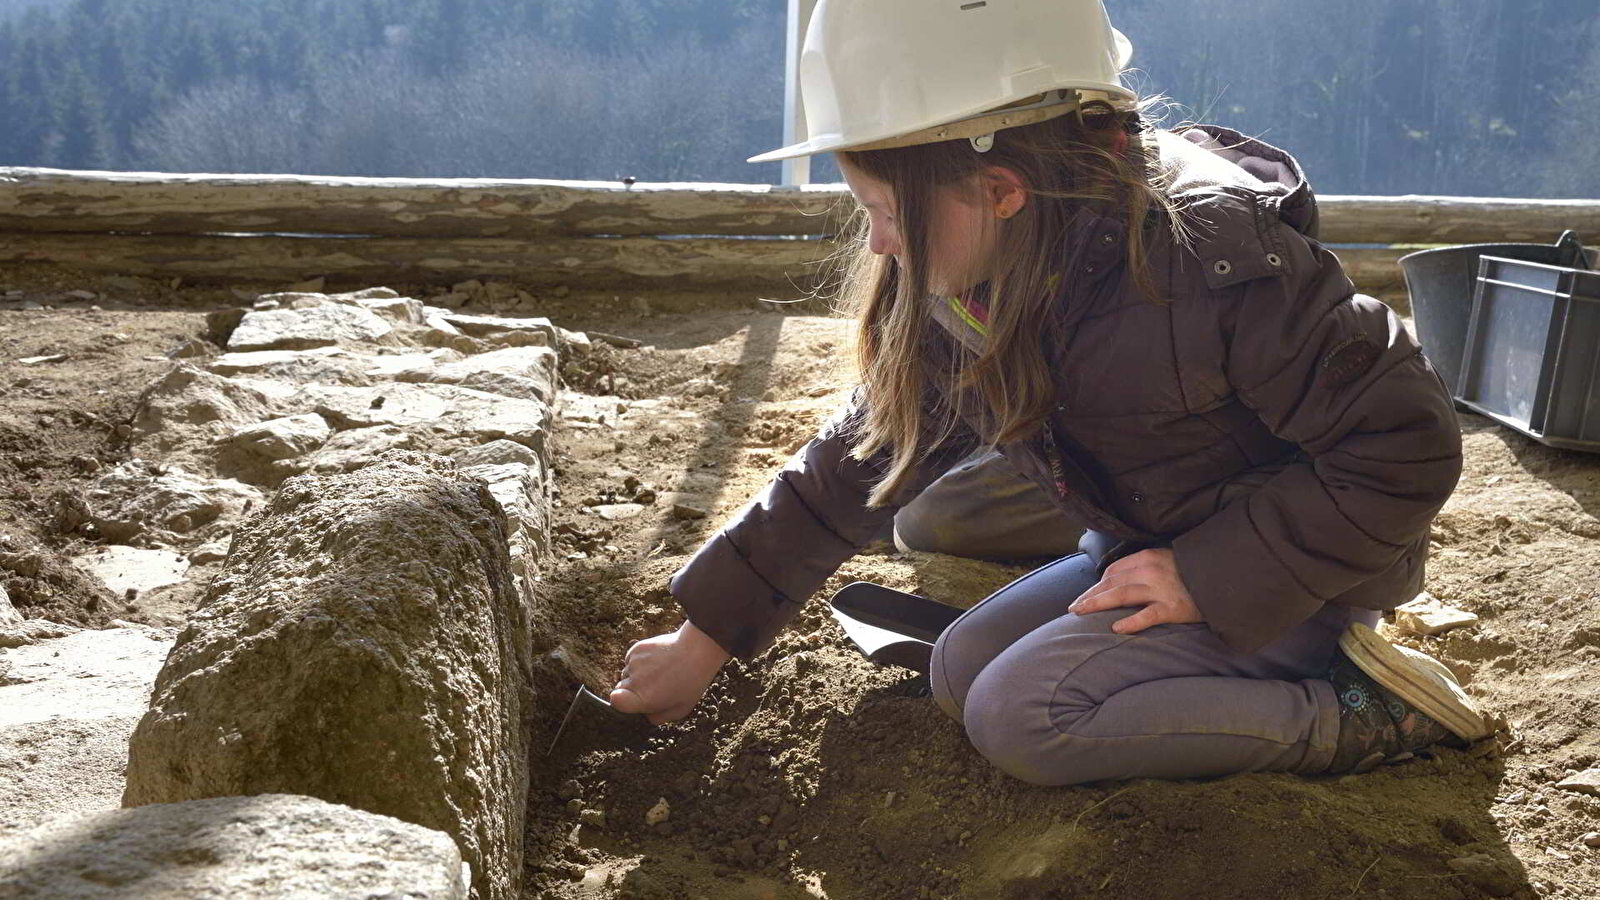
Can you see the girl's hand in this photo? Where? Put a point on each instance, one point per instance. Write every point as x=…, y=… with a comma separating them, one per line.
x=665, y=676
x=1148, y=578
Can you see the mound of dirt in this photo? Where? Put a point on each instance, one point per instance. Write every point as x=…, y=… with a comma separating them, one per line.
x=811, y=773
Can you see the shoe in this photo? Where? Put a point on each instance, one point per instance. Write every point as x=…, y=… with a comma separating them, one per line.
x=1394, y=701
x=1416, y=679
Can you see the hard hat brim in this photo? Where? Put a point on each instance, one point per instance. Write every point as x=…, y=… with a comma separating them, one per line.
x=833, y=143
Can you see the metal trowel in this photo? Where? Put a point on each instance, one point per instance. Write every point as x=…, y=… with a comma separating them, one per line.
x=591, y=717
x=892, y=627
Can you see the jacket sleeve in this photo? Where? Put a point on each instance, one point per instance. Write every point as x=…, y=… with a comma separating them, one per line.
x=745, y=583
x=1336, y=373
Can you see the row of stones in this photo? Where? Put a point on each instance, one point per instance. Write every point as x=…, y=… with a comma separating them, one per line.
x=368, y=639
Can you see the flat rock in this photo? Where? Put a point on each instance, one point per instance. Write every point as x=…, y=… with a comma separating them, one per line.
x=389, y=366
x=371, y=293
x=1585, y=782
x=524, y=372
x=124, y=568
x=395, y=309
x=444, y=408
x=1427, y=615
x=613, y=512
x=493, y=326
x=365, y=644
x=86, y=674
x=264, y=362
x=335, y=365
x=298, y=329
x=284, y=438
x=134, y=497
x=495, y=453
x=349, y=450
x=269, y=847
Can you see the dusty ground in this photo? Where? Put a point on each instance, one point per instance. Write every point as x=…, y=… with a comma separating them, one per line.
x=812, y=773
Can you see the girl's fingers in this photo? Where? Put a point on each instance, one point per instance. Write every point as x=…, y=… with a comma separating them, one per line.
x=1113, y=597
x=1106, y=582
x=1139, y=621
x=624, y=700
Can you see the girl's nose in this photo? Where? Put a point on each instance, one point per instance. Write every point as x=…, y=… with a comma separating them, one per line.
x=883, y=241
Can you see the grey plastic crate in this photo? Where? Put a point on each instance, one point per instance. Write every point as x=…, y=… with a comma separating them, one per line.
x=1532, y=360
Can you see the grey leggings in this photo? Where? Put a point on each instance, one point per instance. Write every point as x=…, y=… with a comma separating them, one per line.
x=1056, y=698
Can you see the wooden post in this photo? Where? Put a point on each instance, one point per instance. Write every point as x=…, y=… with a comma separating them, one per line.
x=796, y=172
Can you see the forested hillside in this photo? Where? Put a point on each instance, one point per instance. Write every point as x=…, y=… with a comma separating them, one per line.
x=1375, y=96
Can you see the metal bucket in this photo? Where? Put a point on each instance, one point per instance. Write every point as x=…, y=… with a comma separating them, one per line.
x=1441, y=283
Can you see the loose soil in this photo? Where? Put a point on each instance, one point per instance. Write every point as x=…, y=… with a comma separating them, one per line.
x=812, y=773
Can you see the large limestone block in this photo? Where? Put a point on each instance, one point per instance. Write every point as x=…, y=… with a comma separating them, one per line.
x=269, y=847
x=525, y=372
x=364, y=644
x=300, y=329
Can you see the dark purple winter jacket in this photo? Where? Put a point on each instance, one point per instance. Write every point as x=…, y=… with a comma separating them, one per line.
x=1281, y=433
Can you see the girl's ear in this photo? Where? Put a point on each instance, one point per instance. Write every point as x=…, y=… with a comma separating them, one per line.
x=1005, y=190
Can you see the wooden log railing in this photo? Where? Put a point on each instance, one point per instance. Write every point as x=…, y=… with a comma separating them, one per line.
x=599, y=235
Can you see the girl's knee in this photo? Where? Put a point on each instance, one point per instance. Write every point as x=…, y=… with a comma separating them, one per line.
x=1017, y=750
x=1018, y=736
x=949, y=691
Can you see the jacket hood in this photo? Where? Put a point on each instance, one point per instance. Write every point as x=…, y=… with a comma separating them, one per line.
x=1206, y=159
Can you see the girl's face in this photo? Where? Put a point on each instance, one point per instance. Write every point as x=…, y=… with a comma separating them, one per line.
x=961, y=233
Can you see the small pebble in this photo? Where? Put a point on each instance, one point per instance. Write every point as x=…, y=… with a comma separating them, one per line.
x=1592, y=839
x=575, y=806
x=658, y=813
x=569, y=789
x=592, y=817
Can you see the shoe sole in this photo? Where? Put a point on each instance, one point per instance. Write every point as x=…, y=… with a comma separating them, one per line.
x=1417, y=679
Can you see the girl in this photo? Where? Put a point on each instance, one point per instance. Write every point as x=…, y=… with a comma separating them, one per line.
x=1138, y=336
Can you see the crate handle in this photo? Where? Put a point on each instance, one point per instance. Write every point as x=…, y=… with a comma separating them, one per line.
x=1570, y=250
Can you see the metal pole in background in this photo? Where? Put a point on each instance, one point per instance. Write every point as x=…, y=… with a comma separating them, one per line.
x=796, y=172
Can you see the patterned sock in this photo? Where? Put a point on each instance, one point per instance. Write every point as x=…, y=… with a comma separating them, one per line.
x=1374, y=724
x=1367, y=734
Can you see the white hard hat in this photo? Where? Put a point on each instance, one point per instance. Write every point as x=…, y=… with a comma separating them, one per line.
x=882, y=73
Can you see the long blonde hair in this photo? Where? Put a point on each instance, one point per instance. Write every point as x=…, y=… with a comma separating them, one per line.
x=918, y=381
